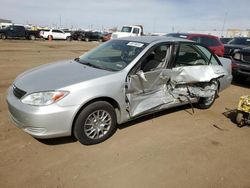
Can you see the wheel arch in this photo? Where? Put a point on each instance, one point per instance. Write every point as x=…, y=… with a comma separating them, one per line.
x=110, y=100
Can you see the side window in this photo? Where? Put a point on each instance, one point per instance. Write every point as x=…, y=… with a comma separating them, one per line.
x=135, y=30
x=188, y=55
x=209, y=41
x=196, y=39
x=156, y=59
x=208, y=55
x=57, y=31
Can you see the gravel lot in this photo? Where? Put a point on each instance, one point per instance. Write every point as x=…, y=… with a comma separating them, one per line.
x=174, y=148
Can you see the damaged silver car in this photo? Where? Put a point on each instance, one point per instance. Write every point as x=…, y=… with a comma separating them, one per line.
x=116, y=82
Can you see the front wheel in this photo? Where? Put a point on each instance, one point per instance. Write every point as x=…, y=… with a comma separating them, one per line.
x=95, y=123
x=207, y=102
x=68, y=38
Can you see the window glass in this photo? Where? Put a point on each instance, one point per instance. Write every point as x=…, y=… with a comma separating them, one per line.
x=189, y=55
x=57, y=31
x=209, y=56
x=156, y=59
x=136, y=30
x=209, y=41
x=113, y=55
x=126, y=29
x=196, y=39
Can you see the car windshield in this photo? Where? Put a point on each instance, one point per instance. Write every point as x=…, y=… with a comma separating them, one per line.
x=240, y=41
x=114, y=55
x=126, y=29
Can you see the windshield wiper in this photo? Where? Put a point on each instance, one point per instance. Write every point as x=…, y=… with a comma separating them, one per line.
x=91, y=65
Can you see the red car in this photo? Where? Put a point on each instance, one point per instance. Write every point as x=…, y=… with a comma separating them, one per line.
x=210, y=41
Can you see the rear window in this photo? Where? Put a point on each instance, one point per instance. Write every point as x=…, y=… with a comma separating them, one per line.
x=208, y=41
x=240, y=41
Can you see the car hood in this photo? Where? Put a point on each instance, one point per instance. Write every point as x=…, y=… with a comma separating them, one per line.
x=57, y=75
x=246, y=50
x=234, y=46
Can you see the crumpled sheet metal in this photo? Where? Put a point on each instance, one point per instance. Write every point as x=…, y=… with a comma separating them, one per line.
x=194, y=74
x=145, y=93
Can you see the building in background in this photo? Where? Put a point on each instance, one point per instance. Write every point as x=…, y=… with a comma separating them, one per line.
x=226, y=33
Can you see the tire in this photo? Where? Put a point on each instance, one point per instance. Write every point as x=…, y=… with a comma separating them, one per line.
x=3, y=36
x=50, y=37
x=240, y=119
x=32, y=37
x=89, y=128
x=87, y=39
x=207, y=102
x=79, y=38
x=68, y=38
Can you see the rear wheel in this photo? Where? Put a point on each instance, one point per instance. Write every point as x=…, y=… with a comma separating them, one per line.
x=79, y=38
x=3, y=36
x=95, y=123
x=32, y=37
x=240, y=119
x=207, y=102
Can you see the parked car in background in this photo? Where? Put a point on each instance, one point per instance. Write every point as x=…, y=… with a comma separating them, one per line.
x=106, y=37
x=56, y=34
x=128, y=31
x=236, y=44
x=241, y=64
x=116, y=82
x=225, y=40
x=210, y=41
x=87, y=36
x=18, y=31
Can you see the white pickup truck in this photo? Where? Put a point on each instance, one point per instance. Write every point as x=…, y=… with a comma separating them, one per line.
x=55, y=34
x=128, y=31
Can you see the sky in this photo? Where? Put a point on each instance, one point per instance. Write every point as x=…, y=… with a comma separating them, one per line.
x=155, y=15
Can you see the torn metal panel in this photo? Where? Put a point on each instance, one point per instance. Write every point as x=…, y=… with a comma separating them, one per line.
x=146, y=82
x=144, y=102
x=206, y=89
x=194, y=74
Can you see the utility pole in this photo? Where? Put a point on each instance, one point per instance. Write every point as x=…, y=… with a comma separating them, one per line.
x=223, y=25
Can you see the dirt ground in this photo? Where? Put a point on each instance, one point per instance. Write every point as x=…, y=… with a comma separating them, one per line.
x=174, y=148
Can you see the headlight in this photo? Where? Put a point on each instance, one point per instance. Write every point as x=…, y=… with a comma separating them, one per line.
x=237, y=56
x=44, y=98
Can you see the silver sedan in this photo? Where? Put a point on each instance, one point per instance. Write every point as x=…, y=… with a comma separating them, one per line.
x=116, y=82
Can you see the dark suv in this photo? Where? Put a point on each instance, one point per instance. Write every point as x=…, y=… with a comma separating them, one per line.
x=236, y=44
x=87, y=36
x=212, y=42
x=241, y=64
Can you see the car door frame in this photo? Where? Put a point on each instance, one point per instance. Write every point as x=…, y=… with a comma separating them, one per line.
x=134, y=72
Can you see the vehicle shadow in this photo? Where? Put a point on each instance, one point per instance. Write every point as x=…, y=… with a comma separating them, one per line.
x=231, y=114
x=71, y=139
x=242, y=83
x=141, y=119
x=58, y=141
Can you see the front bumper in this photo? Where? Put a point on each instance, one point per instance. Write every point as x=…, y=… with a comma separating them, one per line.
x=239, y=68
x=41, y=121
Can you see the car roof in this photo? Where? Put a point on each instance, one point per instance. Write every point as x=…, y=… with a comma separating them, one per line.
x=151, y=39
x=193, y=34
